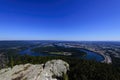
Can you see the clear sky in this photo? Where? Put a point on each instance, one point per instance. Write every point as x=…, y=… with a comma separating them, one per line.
x=60, y=20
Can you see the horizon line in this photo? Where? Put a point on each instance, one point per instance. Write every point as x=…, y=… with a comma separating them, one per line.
x=64, y=40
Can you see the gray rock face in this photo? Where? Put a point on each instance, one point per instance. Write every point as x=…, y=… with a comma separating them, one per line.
x=48, y=71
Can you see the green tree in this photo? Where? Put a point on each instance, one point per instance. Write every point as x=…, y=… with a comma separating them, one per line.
x=11, y=62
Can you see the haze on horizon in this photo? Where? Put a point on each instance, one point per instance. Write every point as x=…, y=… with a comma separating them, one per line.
x=60, y=20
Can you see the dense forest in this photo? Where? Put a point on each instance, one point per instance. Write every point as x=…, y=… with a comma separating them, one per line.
x=79, y=69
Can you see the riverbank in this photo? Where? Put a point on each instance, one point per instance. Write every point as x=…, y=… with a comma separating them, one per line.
x=93, y=55
x=89, y=54
x=107, y=59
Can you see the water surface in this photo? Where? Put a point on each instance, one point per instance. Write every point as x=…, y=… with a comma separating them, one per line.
x=89, y=54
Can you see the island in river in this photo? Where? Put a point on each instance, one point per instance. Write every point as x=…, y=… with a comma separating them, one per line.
x=62, y=51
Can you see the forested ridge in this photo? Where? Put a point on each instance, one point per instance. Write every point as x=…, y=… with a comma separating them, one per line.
x=79, y=69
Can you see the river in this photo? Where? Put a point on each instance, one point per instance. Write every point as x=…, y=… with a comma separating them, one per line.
x=89, y=54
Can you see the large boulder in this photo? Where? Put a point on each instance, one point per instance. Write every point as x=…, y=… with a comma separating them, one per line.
x=51, y=70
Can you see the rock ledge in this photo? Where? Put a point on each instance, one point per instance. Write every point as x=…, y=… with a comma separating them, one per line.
x=51, y=70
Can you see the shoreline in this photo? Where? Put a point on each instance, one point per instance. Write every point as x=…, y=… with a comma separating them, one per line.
x=107, y=59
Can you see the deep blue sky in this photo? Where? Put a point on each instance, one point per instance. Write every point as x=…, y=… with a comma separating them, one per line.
x=59, y=19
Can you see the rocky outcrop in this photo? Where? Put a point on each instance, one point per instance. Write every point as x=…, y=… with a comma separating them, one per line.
x=51, y=70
